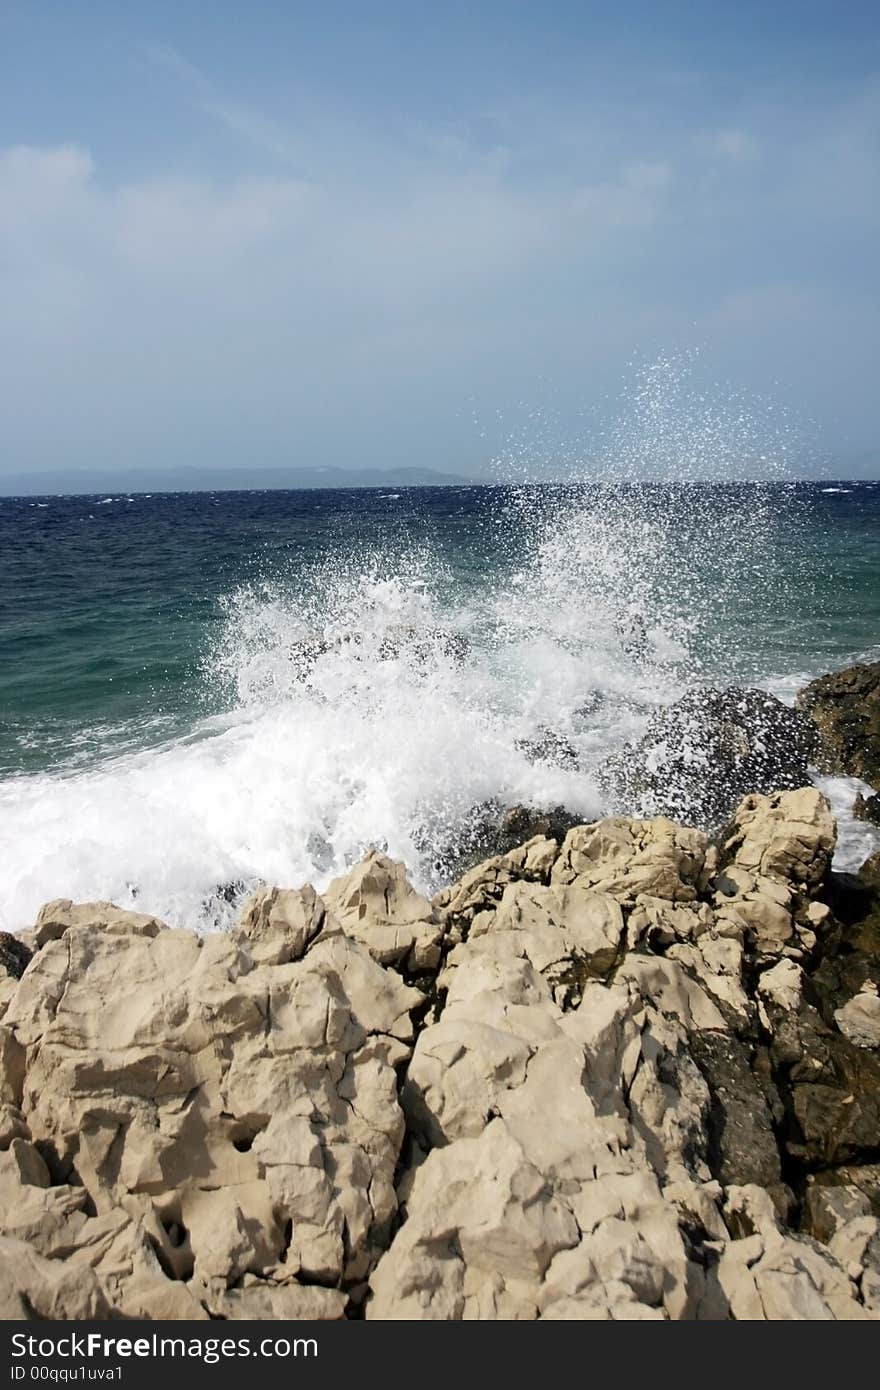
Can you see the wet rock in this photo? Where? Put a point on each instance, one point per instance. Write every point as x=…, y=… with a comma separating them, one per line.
x=15, y=956
x=863, y=1178
x=830, y=1087
x=828, y=1208
x=420, y=647
x=849, y=948
x=867, y=808
x=521, y=823
x=869, y=873
x=845, y=706
x=495, y=829
x=742, y=1141
x=859, y=1019
x=549, y=747
x=701, y=755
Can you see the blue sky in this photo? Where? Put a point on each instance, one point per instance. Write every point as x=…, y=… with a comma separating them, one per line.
x=431, y=233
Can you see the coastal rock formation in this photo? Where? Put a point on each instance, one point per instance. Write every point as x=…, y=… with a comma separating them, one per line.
x=845, y=706
x=549, y=747
x=867, y=808
x=597, y=1078
x=701, y=755
x=493, y=828
x=211, y=1124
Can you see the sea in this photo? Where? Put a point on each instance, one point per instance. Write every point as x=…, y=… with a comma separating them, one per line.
x=201, y=692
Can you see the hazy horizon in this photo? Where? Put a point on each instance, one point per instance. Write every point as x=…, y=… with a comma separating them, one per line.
x=458, y=238
x=184, y=481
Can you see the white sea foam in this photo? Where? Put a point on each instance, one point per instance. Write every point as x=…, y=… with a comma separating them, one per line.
x=856, y=839
x=372, y=702
x=368, y=705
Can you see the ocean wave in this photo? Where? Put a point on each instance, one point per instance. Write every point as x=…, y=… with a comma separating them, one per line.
x=373, y=700
x=376, y=698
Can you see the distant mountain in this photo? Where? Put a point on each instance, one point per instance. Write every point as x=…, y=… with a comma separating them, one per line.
x=87, y=482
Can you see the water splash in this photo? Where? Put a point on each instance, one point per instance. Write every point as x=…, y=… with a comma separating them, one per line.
x=381, y=697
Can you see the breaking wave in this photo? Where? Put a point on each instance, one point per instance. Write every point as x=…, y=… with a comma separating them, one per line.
x=385, y=696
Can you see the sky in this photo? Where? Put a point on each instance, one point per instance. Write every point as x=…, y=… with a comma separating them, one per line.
x=385, y=234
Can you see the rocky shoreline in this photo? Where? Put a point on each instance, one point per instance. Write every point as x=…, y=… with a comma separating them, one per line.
x=632, y=1072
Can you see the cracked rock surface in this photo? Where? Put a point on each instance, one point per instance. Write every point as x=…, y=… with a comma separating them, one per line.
x=621, y=1076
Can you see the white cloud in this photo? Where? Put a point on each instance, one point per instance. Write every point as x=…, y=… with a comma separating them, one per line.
x=366, y=293
x=648, y=176
x=740, y=146
x=37, y=182
x=177, y=222
x=418, y=226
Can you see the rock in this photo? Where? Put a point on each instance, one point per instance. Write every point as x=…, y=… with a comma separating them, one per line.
x=277, y=924
x=782, y=985
x=845, y=707
x=493, y=829
x=830, y=1087
x=483, y=885
x=864, y=1178
x=504, y=1228
x=859, y=1020
x=787, y=836
x=549, y=747
x=849, y=955
x=673, y=992
x=701, y=755
x=12, y=1067
x=768, y=1274
x=14, y=955
x=857, y=1247
x=419, y=647
x=281, y=1302
x=869, y=873
x=36, y=1289
x=867, y=808
x=59, y=916
x=583, y=929
x=828, y=1208
x=229, y=1102
x=631, y=858
x=742, y=1142
x=716, y=960
x=375, y=904
x=622, y=1047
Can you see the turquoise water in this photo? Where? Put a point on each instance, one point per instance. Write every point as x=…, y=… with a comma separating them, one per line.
x=165, y=725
